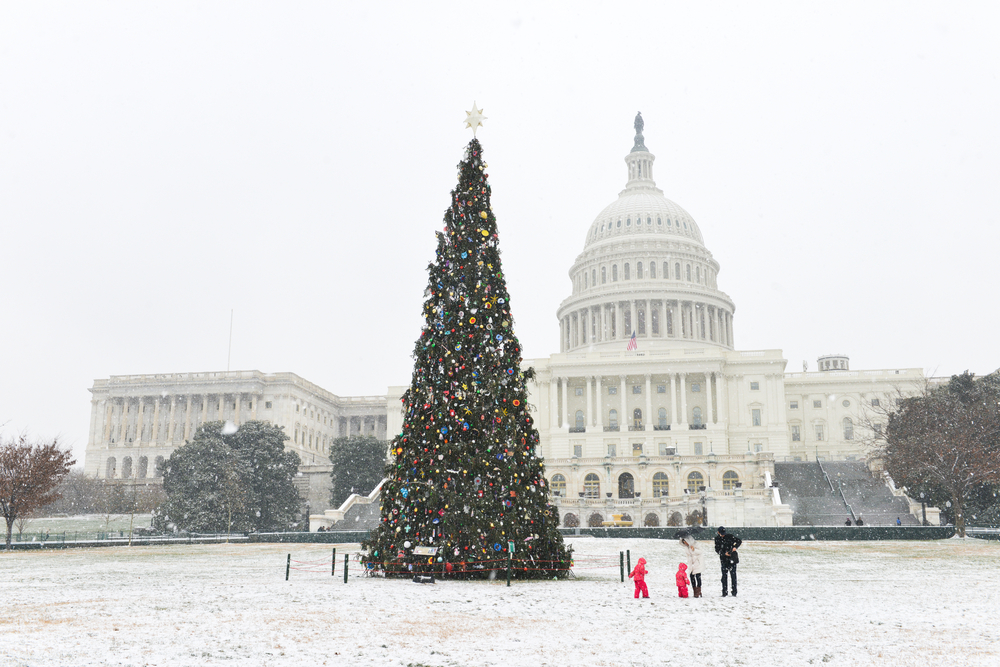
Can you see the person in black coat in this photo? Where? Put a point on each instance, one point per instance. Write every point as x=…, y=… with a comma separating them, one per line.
x=726, y=546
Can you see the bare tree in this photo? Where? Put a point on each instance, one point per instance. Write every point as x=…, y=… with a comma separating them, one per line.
x=947, y=437
x=29, y=475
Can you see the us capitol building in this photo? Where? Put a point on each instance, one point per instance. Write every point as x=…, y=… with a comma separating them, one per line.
x=647, y=410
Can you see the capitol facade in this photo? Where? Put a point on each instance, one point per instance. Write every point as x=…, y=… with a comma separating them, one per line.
x=648, y=413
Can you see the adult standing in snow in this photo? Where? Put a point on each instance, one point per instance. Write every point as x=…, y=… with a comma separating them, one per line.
x=694, y=563
x=726, y=546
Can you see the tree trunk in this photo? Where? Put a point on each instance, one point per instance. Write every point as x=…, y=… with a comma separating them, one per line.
x=10, y=529
x=956, y=501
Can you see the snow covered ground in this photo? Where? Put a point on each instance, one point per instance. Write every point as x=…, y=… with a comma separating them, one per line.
x=839, y=603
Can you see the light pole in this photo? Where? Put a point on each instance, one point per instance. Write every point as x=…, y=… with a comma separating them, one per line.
x=704, y=506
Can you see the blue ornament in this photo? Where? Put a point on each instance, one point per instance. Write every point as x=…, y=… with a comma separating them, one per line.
x=499, y=338
x=497, y=547
x=510, y=371
x=444, y=429
x=404, y=492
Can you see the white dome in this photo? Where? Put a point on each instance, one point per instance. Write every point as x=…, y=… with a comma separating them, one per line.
x=639, y=211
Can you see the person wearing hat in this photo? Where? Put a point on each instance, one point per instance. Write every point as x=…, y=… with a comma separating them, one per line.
x=726, y=546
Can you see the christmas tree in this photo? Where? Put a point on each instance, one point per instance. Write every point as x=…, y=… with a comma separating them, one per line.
x=463, y=475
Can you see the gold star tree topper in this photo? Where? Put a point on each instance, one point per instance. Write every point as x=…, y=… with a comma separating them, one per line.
x=474, y=119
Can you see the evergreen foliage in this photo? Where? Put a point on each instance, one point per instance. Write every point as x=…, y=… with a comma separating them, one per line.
x=222, y=482
x=464, y=475
x=358, y=466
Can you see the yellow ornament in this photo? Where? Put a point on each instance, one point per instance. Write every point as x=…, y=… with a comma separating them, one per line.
x=482, y=214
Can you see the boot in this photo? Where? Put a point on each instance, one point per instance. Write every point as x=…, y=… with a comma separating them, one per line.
x=697, y=591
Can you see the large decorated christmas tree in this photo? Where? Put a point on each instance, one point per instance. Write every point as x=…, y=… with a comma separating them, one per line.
x=465, y=489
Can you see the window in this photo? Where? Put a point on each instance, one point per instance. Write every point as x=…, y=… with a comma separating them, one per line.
x=612, y=390
x=666, y=450
x=848, y=429
x=619, y=222
x=875, y=403
x=110, y=470
x=591, y=486
x=580, y=420
x=604, y=274
x=696, y=416
x=687, y=272
x=729, y=480
x=694, y=481
x=695, y=387
x=637, y=419
x=758, y=448
x=755, y=415
x=628, y=222
x=593, y=277
x=661, y=389
x=817, y=404
x=652, y=269
x=614, y=273
x=612, y=449
x=636, y=449
x=613, y=420
x=628, y=275
x=819, y=431
x=661, y=418
x=793, y=405
x=638, y=271
x=143, y=467
x=699, y=448
x=158, y=466
x=579, y=391
x=578, y=451
x=655, y=314
x=796, y=433
x=637, y=389
x=846, y=404
x=127, y=467
x=267, y=405
x=677, y=271
x=558, y=485
x=661, y=485
x=296, y=408
x=755, y=386
x=697, y=274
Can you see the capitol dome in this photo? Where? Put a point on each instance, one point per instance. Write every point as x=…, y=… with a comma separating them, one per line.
x=645, y=270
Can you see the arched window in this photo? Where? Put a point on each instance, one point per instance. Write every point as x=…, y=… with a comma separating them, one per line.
x=111, y=468
x=661, y=418
x=143, y=467
x=604, y=274
x=637, y=420
x=655, y=313
x=614, y=273
x=558, y=485
x=687, y=272
x=584, y=280
x=677, y=271
x=580, y=420
x=619, y=222
x=158, y=467
x=694, y=481
x=613, y=420
x=729, y=480
x=848, y=429
x=652, y=269
x=628, y=275
x=591, y=486
x=661, y=485
x=628, y=222
x=696, y=416
x=626, y=485
x=127, y=467
x=659, y=221
x=638, y=271
x=641, y=316
x=697, y=274
x=649, y=222
x=593, y=277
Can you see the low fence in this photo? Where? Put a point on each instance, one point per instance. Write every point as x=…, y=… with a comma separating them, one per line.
x=778, y=533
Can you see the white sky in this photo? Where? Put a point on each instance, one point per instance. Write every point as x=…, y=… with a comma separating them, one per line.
x=162, y=164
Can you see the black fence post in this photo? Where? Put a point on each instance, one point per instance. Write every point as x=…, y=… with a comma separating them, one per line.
x=345, y=568
x=621, y=564
x=628, y=560
x=510, y=558
x=288, y=566
x=333, y=562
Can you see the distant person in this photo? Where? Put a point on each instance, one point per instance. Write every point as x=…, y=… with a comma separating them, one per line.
x=694, y=563
x=898, y=522
x=726, y=546
x=682, y=580
x=638, y=574
x=848, y=522
x=860, y=521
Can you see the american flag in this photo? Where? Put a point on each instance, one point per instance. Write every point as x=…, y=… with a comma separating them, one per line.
x=632, y=345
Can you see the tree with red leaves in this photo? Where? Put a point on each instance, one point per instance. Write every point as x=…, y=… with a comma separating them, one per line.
x=29, y=475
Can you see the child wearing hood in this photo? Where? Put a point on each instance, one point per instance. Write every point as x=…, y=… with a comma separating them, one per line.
x=682, y=580
x=638, y=573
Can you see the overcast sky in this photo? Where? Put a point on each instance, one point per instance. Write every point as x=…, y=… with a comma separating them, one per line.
x=162, y=165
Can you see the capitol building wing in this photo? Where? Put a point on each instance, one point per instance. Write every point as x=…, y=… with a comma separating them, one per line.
x=649, y=413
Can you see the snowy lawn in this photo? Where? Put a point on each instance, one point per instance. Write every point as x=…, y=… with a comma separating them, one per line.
x=839, y=603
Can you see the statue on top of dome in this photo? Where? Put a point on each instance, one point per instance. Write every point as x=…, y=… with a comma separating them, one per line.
x=639, y=144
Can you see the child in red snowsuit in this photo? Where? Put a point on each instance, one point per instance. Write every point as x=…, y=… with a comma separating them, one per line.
x=682, y=580
x=639, y=575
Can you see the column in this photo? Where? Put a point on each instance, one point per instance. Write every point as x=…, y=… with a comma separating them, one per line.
x=239, y=407
x=708, y=381
x=565, y=403
x=648, y=424
x=170, y=420
x=590, y=402
x=255, y=403
x=554, y=402
x=156, y=421
x=649, y=318
x=673, y=402
x=624, y=419
x=562, y=335
x=620, y=318
x=684, y=403
x=599, y=404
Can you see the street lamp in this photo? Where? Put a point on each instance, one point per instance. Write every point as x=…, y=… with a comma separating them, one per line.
x=923, y=508
x=704, y=506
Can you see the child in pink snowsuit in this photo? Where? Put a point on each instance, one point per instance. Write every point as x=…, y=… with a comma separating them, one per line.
x=682, y=580
x=639, y=575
